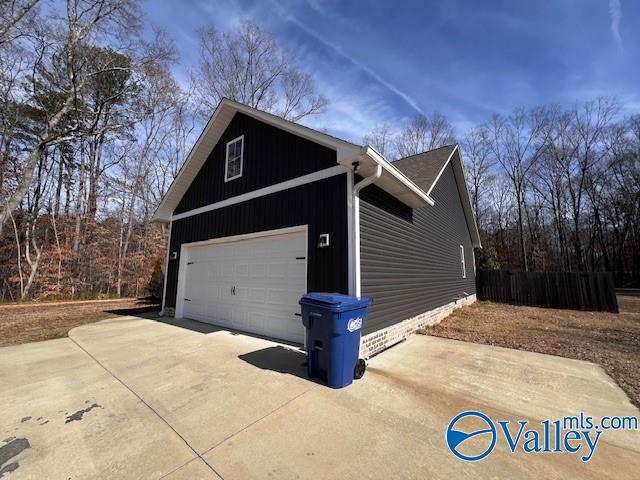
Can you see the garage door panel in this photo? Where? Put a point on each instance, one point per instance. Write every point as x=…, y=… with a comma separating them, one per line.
x=255, y=295
x=242, y=270
x=275, y=270
x=258, y=270
x=268, y=279
x=276, y=296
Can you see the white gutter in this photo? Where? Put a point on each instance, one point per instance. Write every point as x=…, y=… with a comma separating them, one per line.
x=373, y=154
x=356, y=222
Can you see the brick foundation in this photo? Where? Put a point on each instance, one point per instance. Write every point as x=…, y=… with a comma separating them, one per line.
x=377, y=341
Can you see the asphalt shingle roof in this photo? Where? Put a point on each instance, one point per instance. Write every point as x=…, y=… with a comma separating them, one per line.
x=423, y=168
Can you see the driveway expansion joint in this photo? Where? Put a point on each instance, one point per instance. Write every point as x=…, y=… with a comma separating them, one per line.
x=150, y=408
x=246, y=427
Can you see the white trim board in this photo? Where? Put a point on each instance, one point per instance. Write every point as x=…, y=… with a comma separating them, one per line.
x=442, y=170
x=261, y=192
x=351, y=245
x=212, y=132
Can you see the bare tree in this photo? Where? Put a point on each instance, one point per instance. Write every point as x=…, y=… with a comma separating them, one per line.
x=60, y=73
x=515, y=144
x=250, y=67
x=12, y=12
x=478, y=166
x=590, y=122
x=424, y=132
x=381, y=138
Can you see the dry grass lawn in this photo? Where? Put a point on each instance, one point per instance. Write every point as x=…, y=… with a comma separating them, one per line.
x=32, y=322
x=608, y=339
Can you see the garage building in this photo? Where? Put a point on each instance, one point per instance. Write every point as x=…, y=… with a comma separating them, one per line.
x=264, y=210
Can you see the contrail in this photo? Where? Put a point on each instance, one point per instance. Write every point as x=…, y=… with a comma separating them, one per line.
x=376, y=76
x=615, y=11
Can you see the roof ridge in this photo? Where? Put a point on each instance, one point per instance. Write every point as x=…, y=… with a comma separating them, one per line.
x=427, y=151
x=278, y=117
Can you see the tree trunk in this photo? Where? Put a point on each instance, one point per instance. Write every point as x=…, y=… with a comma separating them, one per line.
x=80, y=203
x=56, y=208
x=23, y=186
x=523, y=251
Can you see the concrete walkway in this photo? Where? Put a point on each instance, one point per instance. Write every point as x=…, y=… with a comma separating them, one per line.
x=135, y=398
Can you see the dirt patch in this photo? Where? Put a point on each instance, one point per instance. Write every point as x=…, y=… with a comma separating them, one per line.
x=608, y=339
x=22, y=323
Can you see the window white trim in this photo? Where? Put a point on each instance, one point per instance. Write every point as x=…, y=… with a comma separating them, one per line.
x=473, y=253
x=462, y=263
x=226, y=161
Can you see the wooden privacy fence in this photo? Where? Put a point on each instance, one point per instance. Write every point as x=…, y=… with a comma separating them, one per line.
x=575, y=291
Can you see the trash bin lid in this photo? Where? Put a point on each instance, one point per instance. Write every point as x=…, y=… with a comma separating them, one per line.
x=336, y=302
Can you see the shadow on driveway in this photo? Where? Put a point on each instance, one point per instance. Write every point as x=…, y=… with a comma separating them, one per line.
x=279, y=359
x=146, y=307
x=193, y=325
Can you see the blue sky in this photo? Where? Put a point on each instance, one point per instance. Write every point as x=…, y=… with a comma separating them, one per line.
x=384, y=61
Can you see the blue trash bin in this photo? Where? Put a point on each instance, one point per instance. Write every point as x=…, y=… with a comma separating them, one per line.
x=334, y=323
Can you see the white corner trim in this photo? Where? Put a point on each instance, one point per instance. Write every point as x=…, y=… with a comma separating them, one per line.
x=166, y=269
x=350, y=234
x=442, y=170
x=261, y=192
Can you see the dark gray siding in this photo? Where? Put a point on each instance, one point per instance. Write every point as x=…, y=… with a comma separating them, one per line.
x=321, y=205
x=270, y=156
x=410, y=261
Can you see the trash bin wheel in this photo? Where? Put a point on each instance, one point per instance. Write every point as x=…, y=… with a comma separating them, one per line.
x=358, y=371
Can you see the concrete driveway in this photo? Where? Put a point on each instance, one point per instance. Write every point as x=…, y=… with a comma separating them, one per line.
x=135, y=398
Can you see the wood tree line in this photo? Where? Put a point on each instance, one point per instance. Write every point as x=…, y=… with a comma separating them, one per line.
x=553, y=188
x=93, y=128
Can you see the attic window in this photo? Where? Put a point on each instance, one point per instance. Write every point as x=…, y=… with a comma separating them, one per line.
x=233, y=164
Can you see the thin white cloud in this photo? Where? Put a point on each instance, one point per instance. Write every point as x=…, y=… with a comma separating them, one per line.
x=615, y=12
x=351, y=116
x=338, y=51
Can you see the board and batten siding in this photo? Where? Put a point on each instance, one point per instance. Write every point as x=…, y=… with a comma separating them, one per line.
x=410, y=259
x=270, y=156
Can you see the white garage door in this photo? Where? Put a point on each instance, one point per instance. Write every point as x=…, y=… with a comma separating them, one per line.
x=252, y=285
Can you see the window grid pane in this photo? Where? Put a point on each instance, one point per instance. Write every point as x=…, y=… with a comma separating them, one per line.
x=234, y=159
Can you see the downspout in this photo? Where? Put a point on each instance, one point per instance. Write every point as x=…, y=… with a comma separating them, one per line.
x=356, y=221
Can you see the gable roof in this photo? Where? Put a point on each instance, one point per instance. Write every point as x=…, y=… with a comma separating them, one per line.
x=392, y=180
x=410, y=179
x=426, y=168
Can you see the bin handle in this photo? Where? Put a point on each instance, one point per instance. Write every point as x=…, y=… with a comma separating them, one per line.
x=314, y=314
